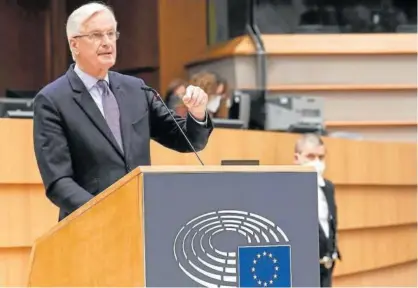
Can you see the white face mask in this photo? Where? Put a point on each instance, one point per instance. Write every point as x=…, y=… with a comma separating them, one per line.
x=214, y=103
x=319, y=168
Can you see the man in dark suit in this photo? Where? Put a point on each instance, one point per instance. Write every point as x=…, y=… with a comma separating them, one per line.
x=93, y=126
x=310, y=151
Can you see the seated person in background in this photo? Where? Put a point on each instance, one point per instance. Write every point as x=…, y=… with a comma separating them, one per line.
x=208, y=82
x=322, y=15
x=357, y=17
x=388, y=18
x=310, y=151
x=175, y=92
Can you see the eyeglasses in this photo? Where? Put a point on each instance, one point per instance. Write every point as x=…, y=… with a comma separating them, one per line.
x=99, y=36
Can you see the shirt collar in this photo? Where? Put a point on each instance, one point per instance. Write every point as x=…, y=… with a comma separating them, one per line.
x=88, y=80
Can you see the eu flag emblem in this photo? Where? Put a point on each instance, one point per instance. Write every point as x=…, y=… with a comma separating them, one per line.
x=264, y=266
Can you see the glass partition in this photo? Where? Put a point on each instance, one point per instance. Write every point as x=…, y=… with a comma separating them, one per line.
x=335, y=16
x=227, y=18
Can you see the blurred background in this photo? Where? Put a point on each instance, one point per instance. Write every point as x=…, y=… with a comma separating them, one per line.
x=273, y=69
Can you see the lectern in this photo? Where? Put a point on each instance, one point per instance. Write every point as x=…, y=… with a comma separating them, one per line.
x=211, y=226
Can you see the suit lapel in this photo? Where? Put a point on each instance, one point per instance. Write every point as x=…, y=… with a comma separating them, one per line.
x=87, y=104
x=321, y=232
x=325, y=190
x=124, y=109
x=329, y=199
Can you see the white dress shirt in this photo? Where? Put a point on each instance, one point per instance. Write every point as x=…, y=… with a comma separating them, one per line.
x=323, y=212
x=91, y=84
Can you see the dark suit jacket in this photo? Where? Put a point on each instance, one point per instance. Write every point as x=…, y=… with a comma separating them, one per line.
x=327, y=246
x=76, y=152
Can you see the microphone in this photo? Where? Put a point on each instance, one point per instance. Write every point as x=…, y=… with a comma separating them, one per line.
x=156, y=94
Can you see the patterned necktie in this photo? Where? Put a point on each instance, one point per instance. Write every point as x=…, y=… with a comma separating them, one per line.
x=111, y=111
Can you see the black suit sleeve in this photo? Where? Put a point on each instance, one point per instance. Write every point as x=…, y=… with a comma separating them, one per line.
x=332, y=195
x=166, y=132
x=53, y=157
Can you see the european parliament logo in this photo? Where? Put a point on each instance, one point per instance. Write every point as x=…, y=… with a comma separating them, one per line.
x=231, y=248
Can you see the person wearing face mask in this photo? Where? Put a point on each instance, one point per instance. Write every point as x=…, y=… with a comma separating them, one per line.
x=223, y=101
x=310, y=151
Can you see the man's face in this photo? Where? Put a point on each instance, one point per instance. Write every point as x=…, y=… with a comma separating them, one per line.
x=310, y=153
x=96, y=44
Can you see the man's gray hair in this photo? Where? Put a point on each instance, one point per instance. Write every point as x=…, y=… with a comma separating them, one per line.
x=79, y=16
x=308, y=138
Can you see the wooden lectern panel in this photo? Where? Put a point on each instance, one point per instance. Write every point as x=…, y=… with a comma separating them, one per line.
x=106, y=234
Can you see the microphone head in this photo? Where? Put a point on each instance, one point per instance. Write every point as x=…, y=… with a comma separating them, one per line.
x=153, y=91
x=147, y=88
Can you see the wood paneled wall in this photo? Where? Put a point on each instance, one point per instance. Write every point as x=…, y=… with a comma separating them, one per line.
x=375, y=191
x=138, y=24
x=182, y=36
x=22, y=49
x=157, y=39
